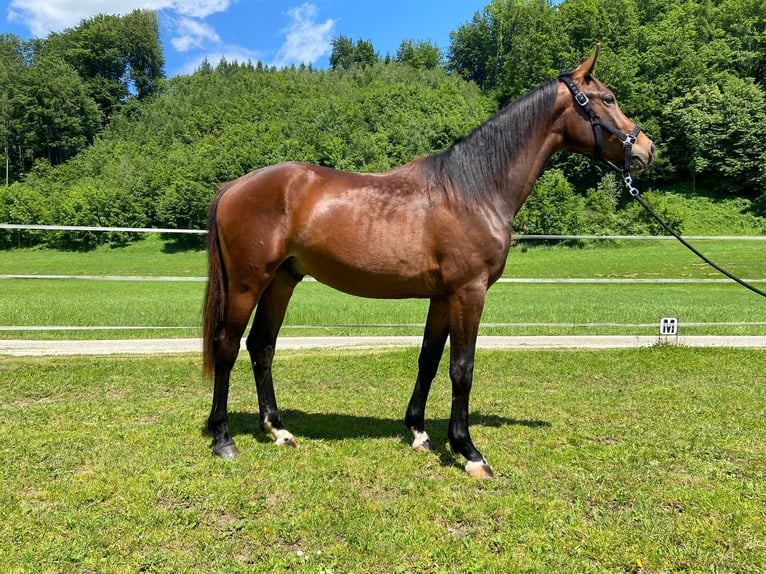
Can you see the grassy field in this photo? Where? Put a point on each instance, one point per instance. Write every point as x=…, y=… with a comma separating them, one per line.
x=173, y=308
x=644, y=461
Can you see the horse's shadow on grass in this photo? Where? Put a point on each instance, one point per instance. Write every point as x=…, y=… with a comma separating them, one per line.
x=338, y=426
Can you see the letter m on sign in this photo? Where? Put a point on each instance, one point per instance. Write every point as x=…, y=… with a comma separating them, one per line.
x=668, y=326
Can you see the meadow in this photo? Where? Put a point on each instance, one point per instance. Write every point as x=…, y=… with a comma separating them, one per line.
x=172, y=308
x=645, y=461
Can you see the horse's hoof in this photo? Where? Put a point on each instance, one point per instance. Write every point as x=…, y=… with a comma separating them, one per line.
x=226, y=451
x=284, y=438
x=287, y=441
x=422, y=442
x=479, y=469
x=425, y=446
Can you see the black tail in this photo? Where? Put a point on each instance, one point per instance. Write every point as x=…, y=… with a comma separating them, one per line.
x=216, y=295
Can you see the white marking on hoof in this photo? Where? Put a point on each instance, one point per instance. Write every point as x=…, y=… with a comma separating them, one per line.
x=422, y=442
x=479, y=469
x=282, y=437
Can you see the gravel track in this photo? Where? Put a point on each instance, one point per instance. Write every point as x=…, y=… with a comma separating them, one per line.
x=20, y=348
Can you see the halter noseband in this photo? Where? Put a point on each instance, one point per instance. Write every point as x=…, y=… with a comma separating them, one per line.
x=628, y=140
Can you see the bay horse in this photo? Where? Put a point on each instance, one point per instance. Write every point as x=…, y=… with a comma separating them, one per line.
x=438, y=227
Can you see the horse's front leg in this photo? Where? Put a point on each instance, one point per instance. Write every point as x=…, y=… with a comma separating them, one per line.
x=465, y=312
x=434, y=339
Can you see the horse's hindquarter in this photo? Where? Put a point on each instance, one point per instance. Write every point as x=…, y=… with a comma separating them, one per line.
x=372, y=235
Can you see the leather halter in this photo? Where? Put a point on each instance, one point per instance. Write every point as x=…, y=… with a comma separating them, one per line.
x=628, y=140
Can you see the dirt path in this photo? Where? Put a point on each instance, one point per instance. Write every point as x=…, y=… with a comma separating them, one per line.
x=174, y=346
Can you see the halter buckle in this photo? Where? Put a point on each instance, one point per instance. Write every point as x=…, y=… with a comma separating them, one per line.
x=581, y=99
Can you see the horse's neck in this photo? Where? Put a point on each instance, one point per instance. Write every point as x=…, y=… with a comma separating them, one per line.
x=525, y=167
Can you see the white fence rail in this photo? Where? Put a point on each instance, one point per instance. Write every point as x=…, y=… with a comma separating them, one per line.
x=98, y=228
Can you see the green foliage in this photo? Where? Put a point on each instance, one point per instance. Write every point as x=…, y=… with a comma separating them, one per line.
x=346, y=54
x=553, y=207
x=638, y=222
x=420, y=54
x=59, y=116
x=714, y=132
x=56, y=94
x=113, y=54
x=510, y=47
x=601, y=205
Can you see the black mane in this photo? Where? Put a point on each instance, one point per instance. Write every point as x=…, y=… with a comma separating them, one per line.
x=476, y=167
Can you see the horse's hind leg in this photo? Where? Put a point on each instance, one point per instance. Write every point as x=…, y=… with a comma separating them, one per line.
x=226, y=348
x=261, y=344
x=434, y=339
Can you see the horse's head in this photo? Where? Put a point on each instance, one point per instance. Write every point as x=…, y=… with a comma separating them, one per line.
x=595, y=125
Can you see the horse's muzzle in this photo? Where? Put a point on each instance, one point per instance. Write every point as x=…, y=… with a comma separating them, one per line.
x=639, y=161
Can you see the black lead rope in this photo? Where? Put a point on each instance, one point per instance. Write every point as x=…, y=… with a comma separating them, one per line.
x=636, y=194
x=629, y=141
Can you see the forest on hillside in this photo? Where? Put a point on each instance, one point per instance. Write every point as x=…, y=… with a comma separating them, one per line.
x=93, y=133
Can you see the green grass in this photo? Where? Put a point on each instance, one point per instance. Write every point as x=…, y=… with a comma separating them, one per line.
x=646, y=460
x=174, y=308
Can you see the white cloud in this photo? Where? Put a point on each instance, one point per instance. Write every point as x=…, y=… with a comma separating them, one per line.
x=45, y=16
x=193, y=34
x=307, y=40
x=200, y=8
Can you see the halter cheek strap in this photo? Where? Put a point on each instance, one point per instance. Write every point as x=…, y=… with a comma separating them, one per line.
x=628, y=140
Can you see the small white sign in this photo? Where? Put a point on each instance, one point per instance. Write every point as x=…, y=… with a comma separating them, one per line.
x=668, y=326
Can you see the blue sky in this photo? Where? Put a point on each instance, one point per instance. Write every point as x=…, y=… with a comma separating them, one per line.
x=277, y=32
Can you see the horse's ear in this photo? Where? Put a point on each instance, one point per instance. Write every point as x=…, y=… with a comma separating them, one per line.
x=585, y=68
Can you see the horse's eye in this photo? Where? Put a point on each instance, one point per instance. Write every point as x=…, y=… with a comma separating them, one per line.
x=609, y=100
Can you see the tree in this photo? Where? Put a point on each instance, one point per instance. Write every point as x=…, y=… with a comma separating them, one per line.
x=420, y=54
x=346, y=54
x=511, y=47
x=744, y=22
x=714, y=131
x=143, y=51
x=116, y=56
x=552, y=207
x=59, y=116
x=342, y=55
x=11, y=72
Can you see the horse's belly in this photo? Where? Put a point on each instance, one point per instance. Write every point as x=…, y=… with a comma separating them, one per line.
x=370, y=274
